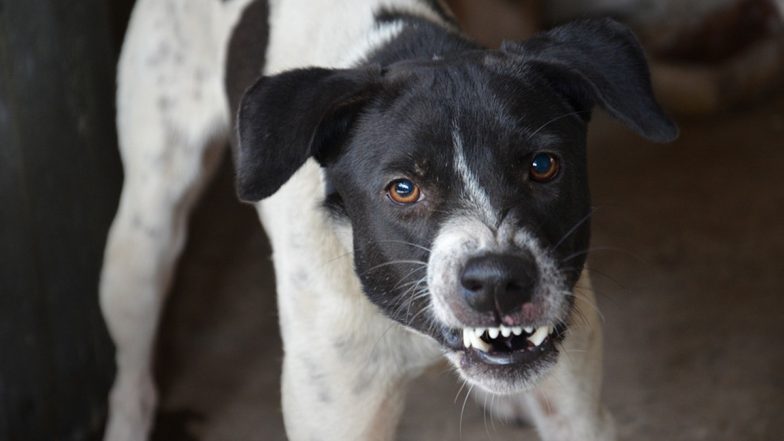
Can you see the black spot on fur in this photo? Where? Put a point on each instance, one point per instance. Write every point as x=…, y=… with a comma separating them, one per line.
x=164, y=103
x=318, y=380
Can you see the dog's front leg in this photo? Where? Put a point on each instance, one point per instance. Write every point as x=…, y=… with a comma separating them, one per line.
x=346, y=368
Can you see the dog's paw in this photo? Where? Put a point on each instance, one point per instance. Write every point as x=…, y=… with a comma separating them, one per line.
x=132, y=405
x=510, y=409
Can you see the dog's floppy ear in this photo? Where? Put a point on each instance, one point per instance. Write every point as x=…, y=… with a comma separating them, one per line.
x=285, y=119
x=599, y=61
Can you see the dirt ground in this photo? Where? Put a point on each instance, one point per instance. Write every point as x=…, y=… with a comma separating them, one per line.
x=688, y=262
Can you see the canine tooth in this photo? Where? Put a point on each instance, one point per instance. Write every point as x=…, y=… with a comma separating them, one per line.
x=506, y=332
x=478, y=343
x=467, y=337
x=493, y=332
x=529, y=329
x=552, y=329
x=538, y=337
x=479, y=331
x=517, y=330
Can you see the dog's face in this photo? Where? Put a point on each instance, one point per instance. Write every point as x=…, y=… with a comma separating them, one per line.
x=463, y=181
x=466, y=191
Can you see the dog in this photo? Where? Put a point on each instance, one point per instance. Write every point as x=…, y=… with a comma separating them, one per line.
x=425, y=197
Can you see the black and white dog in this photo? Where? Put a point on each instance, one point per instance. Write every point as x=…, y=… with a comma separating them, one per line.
x=424, y=197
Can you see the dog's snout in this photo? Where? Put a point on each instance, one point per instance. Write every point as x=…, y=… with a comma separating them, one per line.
x=499, y=282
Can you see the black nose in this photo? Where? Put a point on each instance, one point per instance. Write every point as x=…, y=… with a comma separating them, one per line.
x=499, y=282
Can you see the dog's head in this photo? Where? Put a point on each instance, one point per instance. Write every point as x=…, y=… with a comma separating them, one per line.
x=463, y=180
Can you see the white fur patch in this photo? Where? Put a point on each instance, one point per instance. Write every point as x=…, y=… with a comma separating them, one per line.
x=458, y=240
x=476, y=194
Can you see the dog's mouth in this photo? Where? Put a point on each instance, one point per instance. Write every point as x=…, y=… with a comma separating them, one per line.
x=504, y=359
x=507, y=345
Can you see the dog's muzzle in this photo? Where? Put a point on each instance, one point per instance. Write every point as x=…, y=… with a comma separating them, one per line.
x=502, y=303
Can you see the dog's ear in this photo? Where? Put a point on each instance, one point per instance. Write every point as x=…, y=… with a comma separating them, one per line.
x=287, y=118
x=599, y=62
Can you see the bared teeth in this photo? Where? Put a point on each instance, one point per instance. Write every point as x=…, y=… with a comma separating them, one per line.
x=471, y=338
x=478, y=337
x=478, y=343
x=541, y=333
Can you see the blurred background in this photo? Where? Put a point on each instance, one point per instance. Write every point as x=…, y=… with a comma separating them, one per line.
x=688, y=240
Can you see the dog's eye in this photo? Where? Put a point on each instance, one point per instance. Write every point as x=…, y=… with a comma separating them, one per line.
x=403, y=191
x=544, y=167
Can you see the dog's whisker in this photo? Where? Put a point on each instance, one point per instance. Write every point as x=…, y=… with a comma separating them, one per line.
x=415, y=282
x=593, y=306
x=462, y=411
x=419, y=295
x=484, y=415
x=590, y=250
x=574, y=228
x=408, y=303
x=400, y=283
x=407, y=243
x=612, y=279
x=397, y=262
x=557, y=118
x=594, y=272
x=627, y=253
x=421, y=311
x=464, y=382
x=337, y=258
x=416, y=293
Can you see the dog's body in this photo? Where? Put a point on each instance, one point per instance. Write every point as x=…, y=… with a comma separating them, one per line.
x=350, y=345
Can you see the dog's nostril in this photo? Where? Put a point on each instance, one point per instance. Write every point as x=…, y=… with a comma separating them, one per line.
x=472, y=285
x=513, y=287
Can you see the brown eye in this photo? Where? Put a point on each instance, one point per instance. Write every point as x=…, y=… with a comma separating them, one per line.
x=403, y=191
x=544, y=167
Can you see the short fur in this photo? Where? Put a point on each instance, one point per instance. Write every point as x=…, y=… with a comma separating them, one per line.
x=355, y=95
